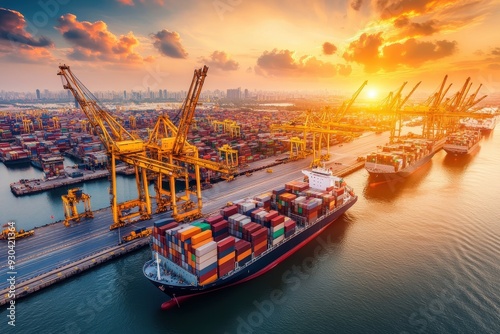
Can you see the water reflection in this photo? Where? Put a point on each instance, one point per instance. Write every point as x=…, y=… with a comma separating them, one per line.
x=387, y=189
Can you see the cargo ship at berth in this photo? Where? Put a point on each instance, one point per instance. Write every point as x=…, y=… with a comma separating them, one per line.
x=461, y=143
x=402, y=158
x=246, y=238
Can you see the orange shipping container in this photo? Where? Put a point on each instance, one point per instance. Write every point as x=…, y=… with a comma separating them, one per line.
x=195, y=239
x=244, y=255
x=226, y=258
x=184, y=235
x=201, y=243
x=209, y=280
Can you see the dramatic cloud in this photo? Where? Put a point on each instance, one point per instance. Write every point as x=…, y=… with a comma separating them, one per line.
x=13, y=29
x=169, y=44
x=25, y=54
x=220, y=60
x=413, y=29
x=414, y=53
x=396, y=8
x=329, y=48
x=93, y=41
x=281, y=63
x=495, y=52
x=365, y=51
x=356, y=4
x=369, y=51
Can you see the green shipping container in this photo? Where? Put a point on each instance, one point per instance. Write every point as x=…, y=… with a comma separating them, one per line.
x=193, y=257
x=278, y=233
x=202, y=226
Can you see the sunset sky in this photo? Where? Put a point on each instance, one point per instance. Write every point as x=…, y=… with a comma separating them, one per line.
x=258, y=44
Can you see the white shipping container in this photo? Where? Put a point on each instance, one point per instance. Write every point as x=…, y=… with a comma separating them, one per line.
x=206, y=263
x=206, y=248
x=206, y=257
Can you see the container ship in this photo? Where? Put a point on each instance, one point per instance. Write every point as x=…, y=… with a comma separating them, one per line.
x=403, y=158
x=461, y=143
x=246, y=238
x=16, y=157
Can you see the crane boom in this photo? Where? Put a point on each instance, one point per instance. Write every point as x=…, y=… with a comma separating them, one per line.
x=112, y=134
x=189, y=109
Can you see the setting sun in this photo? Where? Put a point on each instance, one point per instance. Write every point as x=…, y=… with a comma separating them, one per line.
x=372, y=93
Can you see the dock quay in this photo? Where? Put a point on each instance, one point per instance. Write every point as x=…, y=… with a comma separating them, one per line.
x=56, y=252
x=31, y=186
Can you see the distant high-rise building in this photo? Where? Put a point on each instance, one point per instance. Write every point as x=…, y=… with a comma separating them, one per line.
x=165, y=94
x=124, y=94
x=246, y=94
x=38, y=94
x=234, y=94
x=160, y=94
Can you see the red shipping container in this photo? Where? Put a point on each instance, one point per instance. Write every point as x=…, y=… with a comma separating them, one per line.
x=226, y=267
x=220, y=225
x=277, y=220
x=214, y=219
x=208, y=275
x=290, y=225
x=270, y=215
x=242, y=245
x=226, y=244
x=221, y=237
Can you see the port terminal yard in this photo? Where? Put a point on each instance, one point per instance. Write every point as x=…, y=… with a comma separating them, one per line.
x=57, y=252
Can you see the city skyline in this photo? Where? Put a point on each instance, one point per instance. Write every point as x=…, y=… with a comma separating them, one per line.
x=320, y=45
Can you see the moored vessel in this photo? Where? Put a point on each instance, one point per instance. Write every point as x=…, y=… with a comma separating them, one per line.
x=402, y=158
x=245, y=239
x=463, y=142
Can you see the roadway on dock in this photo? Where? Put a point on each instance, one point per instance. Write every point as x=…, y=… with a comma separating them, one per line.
x=55, y=246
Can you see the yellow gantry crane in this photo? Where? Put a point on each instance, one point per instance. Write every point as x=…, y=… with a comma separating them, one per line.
x=121, y=145
x=70, y=201
x=168, y=142
x=441, y=115
x=320, y=125
x=230, y=155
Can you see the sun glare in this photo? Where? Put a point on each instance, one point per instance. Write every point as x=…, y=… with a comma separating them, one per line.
x=372, y=93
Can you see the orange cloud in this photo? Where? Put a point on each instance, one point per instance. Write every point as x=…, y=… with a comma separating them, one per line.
x=414, y=29
x=13, y=30
x=282, y=63
x=169, y=44
x=365, y=51
x=220, y=60
x=369, y=51
x=329, y=48
x=25, y=54
x=93, y=41
x=395, y=8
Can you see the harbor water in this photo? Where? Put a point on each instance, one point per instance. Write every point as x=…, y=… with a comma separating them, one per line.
x=414, y=255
